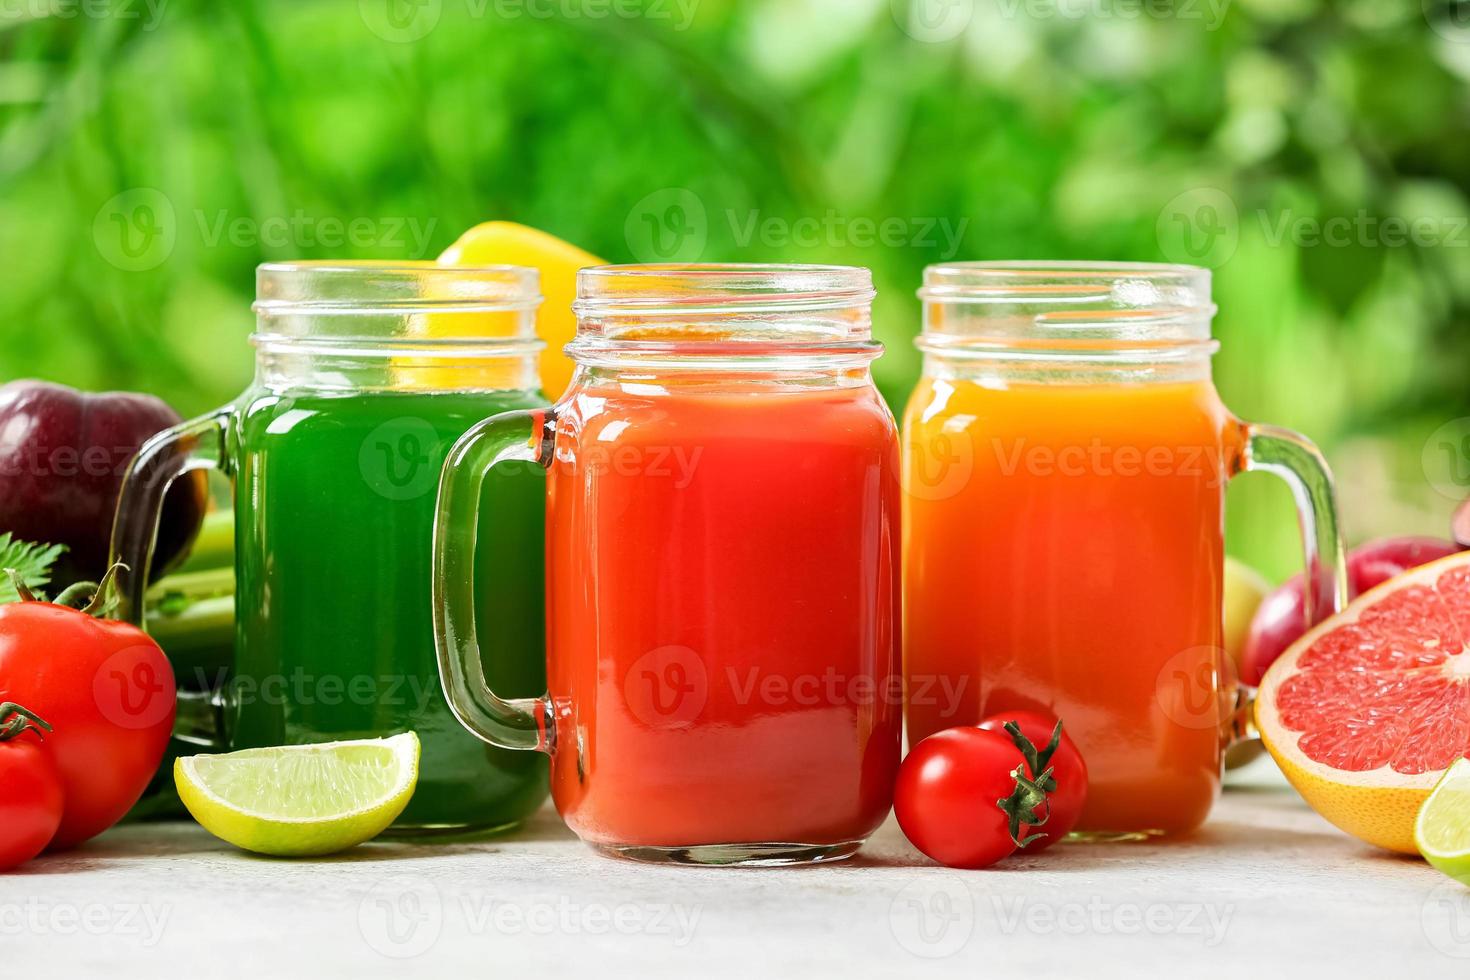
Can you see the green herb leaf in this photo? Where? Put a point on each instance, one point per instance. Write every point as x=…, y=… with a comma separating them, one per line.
x=32, y=561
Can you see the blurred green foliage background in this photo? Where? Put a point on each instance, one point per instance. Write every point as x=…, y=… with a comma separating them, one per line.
x=1315, y=153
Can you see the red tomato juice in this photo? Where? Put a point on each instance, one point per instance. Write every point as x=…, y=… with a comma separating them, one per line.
x=723, y=622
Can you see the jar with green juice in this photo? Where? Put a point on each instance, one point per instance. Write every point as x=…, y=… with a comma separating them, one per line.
x=366, y=375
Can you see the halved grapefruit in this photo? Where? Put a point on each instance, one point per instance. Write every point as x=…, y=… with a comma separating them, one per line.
x=1366, y=711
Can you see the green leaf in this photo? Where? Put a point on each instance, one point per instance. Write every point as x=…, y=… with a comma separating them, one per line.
x=32, y=561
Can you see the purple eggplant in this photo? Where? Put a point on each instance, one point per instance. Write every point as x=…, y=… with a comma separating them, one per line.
x=63, y=454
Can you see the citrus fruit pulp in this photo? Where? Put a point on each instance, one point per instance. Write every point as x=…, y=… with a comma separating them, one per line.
x=301, y=800
x=1365, y=711
x=1442, y=831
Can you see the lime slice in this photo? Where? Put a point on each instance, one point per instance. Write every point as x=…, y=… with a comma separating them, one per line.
x=301, y=800
x=1442, y=829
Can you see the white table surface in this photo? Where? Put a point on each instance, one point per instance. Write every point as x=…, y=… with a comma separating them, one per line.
x=1266, y=886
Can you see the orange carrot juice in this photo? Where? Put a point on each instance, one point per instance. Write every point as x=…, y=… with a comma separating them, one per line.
x=1064, y=553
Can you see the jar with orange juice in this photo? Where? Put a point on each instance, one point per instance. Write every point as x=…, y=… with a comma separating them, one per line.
x=1065, y=462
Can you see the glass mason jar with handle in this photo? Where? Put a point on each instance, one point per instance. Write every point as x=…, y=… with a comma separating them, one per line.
x=366, y=374
x=722, y=568
x=1066, y=457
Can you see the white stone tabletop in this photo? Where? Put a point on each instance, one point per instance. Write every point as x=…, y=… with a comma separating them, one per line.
x=1265, y=888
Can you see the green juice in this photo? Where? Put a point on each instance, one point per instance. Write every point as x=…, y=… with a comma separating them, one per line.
x=335, y=500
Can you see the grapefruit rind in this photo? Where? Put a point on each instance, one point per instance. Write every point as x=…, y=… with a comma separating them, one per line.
x=1378, y=805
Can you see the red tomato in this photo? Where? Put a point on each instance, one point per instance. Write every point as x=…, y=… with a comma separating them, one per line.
x=30, y=803
x=1067, y=789
x=953, y=794
x=108, y=691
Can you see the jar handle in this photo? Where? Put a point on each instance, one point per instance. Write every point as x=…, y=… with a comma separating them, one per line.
x=199, y=444
x=1293, y=457
x=521, y=435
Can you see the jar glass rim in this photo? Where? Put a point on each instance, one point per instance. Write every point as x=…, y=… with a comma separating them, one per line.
x=1067, y=310
x=333, y=286
x=1129, y=285
x=683, y=289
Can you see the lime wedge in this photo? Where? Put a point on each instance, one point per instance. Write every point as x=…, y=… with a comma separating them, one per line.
x=1442, y=829
x=301, y=800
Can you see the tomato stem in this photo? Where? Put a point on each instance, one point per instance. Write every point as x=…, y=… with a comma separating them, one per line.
x=15, y=721
x=1020, y=807
x=1039, y=760
x=90, y=598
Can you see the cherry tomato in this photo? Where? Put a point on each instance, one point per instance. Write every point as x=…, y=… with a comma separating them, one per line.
x=30, y=788
x=107, y=689
x=963, y=795
x=1066, y=791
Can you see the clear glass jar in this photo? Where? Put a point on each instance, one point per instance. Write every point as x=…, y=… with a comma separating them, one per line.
x=1066, y=456
x=722, y=536
x=366, y=374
